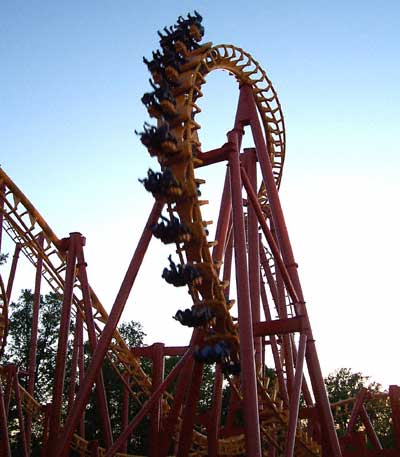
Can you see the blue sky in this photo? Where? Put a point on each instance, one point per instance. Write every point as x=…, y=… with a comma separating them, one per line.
x=70, y=86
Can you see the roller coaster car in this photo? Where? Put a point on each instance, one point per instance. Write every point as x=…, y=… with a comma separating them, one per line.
x=161, y=102
x=158, y=140
x=195, y=317
x=218, y=352
x=181, y=275
x=162, y=184
x=171, y=231
x=184, y=36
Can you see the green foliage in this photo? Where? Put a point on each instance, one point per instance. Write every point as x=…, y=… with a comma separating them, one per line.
x=344, y=384
x=133, y=334
x=19, y=339
x=17, y=352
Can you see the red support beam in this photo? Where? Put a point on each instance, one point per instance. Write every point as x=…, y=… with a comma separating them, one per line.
x=148, y=405
x=34, y=335
x=355, y=412
x=214, y=418
x=87, y=302
x=373, y=437
x=157, y=376
x=13, y=269
x=394, y=395
x=189, y=412
x=81, y=365
x=4, y=441
x=250, y=164
x=248, y=369
x=74, y=363
x=314, y=368
x=279, y=326
x=311, y=354
x=106, y=336
x=59, y=374
x=275, y=350
x=222, y=230
x=24, y=447
x=295, y=398
x=214, y=156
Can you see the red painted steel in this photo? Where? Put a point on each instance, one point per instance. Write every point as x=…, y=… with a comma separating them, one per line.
x=369, y=428
x=280, y=226
x=295, y=398
x=250, y=164
x=24, y=445
x=214, y=414
x=394, y=395
x=189, y=411
x=148, y=405
x=34, y=335
x=13, y=269
x=249, y=384
x=157, y=377
x=5, y=441
x=59, y=375
x=105, y=339
x=250, y=215
x=88, y=306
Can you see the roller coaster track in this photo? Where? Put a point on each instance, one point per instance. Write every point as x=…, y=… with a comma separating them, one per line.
x=182, y=162
x=175, y=143
x=23, y=223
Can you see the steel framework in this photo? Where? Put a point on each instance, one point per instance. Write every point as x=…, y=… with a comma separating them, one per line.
x=271, y=333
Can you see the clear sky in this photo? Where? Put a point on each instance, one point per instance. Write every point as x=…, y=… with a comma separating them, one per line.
x=71, y=78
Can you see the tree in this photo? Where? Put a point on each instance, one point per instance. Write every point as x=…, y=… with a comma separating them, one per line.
x=17, y=352
x=19, y=339
x=344, y=384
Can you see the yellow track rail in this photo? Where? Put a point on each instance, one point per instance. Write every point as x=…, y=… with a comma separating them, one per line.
x=23, y=224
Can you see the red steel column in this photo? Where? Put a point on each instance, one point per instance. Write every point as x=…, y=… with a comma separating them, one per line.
x=13, y=268
x=34, y=335
x=87, y=301
x=214, y=420
x=189, y=413
x=275, y=351
x=295, y=398
x=157, y=376
x=81, y=365
x=149, y=404
x=222, y=229
x=373, y=437
x=4, y=442
x=171, y=421
x=253, y=252
x=20, y=415
x=74, y=363
x=287, y=346
x=394, y=395
x=248, y=369
x=59, y=374
x=106, y=336
x=283, y=236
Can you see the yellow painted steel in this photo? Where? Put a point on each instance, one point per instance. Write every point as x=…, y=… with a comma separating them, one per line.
x=23, y=223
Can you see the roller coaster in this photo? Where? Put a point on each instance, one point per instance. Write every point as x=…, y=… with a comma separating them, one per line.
x=247, y=309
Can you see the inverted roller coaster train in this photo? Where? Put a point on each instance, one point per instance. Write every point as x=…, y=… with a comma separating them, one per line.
x=248, y=270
